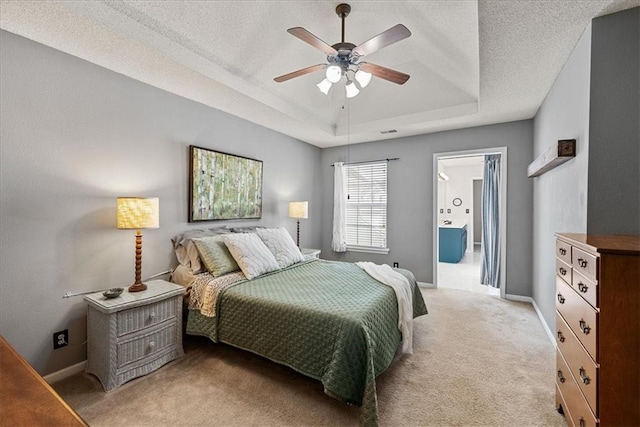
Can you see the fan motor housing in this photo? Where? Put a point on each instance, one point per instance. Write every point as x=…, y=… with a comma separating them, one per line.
x=344, y=57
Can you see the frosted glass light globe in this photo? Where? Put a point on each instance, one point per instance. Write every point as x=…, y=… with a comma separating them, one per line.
x=351, y=89
x=324, y=86
x=363, y=78
x=334, y=73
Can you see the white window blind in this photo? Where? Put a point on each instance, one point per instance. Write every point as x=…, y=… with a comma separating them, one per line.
x=366, y=206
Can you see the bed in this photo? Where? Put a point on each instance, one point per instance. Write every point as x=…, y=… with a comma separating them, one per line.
x=328, y=320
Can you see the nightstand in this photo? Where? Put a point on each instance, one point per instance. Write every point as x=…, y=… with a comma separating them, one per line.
x=135, y=333
x=310, y=253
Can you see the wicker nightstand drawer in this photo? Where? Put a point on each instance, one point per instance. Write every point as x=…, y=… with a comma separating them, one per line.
x=135, y=319
x=134, y=334
x=146, y=345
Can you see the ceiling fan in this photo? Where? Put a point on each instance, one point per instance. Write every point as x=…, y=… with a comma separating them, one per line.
x=345, y=57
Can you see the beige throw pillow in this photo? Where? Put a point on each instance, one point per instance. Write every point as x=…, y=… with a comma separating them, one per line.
x=281, y=245
x=253, y=257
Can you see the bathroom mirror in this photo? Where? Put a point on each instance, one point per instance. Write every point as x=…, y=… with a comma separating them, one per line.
x=457, y=201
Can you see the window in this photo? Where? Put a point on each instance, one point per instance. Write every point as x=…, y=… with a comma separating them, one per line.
x=366, y=207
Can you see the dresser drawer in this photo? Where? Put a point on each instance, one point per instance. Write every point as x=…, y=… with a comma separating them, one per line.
x=563, y=270
x=576, y=405
x=579, y=315
x=135, y=319
x=561, y=402
x=146, y=345
x=586, y=288
x=585, y=263
x=563, y=251
x=579, y=362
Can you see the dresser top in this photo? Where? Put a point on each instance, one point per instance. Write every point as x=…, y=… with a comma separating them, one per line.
x=157, y=290
x=615, y=244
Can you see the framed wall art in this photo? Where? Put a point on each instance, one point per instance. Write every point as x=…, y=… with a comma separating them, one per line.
x=223, y=186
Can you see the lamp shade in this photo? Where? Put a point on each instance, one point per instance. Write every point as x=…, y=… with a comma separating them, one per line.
x=138, y=212
x=299, y=210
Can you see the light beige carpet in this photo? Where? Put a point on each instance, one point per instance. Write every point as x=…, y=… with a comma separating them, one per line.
x=477, y=360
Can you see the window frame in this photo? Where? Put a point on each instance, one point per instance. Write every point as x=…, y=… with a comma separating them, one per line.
x=370, y=205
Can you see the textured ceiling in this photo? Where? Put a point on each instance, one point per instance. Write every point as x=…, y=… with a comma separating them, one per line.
x=471, y=63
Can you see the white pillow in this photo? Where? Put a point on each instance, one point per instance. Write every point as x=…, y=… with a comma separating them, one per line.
x=252, y=256
x=281, y=244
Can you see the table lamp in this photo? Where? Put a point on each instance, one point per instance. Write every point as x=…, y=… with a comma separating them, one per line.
x=298, y=210
x=136, y=213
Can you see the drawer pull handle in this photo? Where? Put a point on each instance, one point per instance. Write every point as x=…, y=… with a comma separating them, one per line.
x=582, y=263
x=560, y=376
x=584, y=377
x=583, y=288
x=560, y=336
x=563, y=271
x=562, y=251
x=560, y=298
x=584, y=327
x=152, y=345
x=152, y=315
x=582, y=422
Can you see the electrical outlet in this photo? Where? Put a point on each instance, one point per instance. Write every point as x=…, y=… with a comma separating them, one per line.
x=467, y=210
x=441, y=210
x=60, y=339
x=395, y=265
x=448, y=210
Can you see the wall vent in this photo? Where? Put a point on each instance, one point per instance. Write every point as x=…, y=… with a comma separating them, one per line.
x=384, y=132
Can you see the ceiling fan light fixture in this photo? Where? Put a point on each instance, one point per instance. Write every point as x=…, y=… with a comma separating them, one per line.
x=324, y=86
x=334, y=73
x=345, y=57
x=351, y=89
x=363, y=78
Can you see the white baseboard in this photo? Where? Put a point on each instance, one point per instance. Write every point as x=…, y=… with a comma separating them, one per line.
x=530, y=300
x=426, y=285
x=67, y=372
x=550, y=334
x=519, y=298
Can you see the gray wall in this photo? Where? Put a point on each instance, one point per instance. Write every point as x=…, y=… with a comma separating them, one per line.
x=74, y=136
x=560, y=195
x=410, y=196
x=614, y=130
x=596, y=100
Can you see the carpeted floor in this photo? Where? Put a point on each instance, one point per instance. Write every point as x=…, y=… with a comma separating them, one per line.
x=477, y=360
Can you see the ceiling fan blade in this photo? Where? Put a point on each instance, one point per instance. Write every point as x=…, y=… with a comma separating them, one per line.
x=300, y=72
x=314, y=41
x=392, y=35
x=385, y=73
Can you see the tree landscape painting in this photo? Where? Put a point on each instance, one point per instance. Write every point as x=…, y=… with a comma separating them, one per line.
x=223, y=186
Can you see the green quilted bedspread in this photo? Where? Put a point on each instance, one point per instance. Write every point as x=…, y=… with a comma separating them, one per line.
x=328, y=320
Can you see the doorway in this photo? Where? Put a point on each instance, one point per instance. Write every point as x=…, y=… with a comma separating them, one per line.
x=458, y=178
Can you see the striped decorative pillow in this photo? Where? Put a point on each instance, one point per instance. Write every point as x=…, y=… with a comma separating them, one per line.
x=281, y=244
x=251, y=254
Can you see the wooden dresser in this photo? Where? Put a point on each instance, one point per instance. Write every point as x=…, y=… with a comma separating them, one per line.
x=598, y=329
x=25, y=397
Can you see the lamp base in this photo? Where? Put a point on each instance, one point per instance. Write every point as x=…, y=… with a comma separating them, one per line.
x=137, y=287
